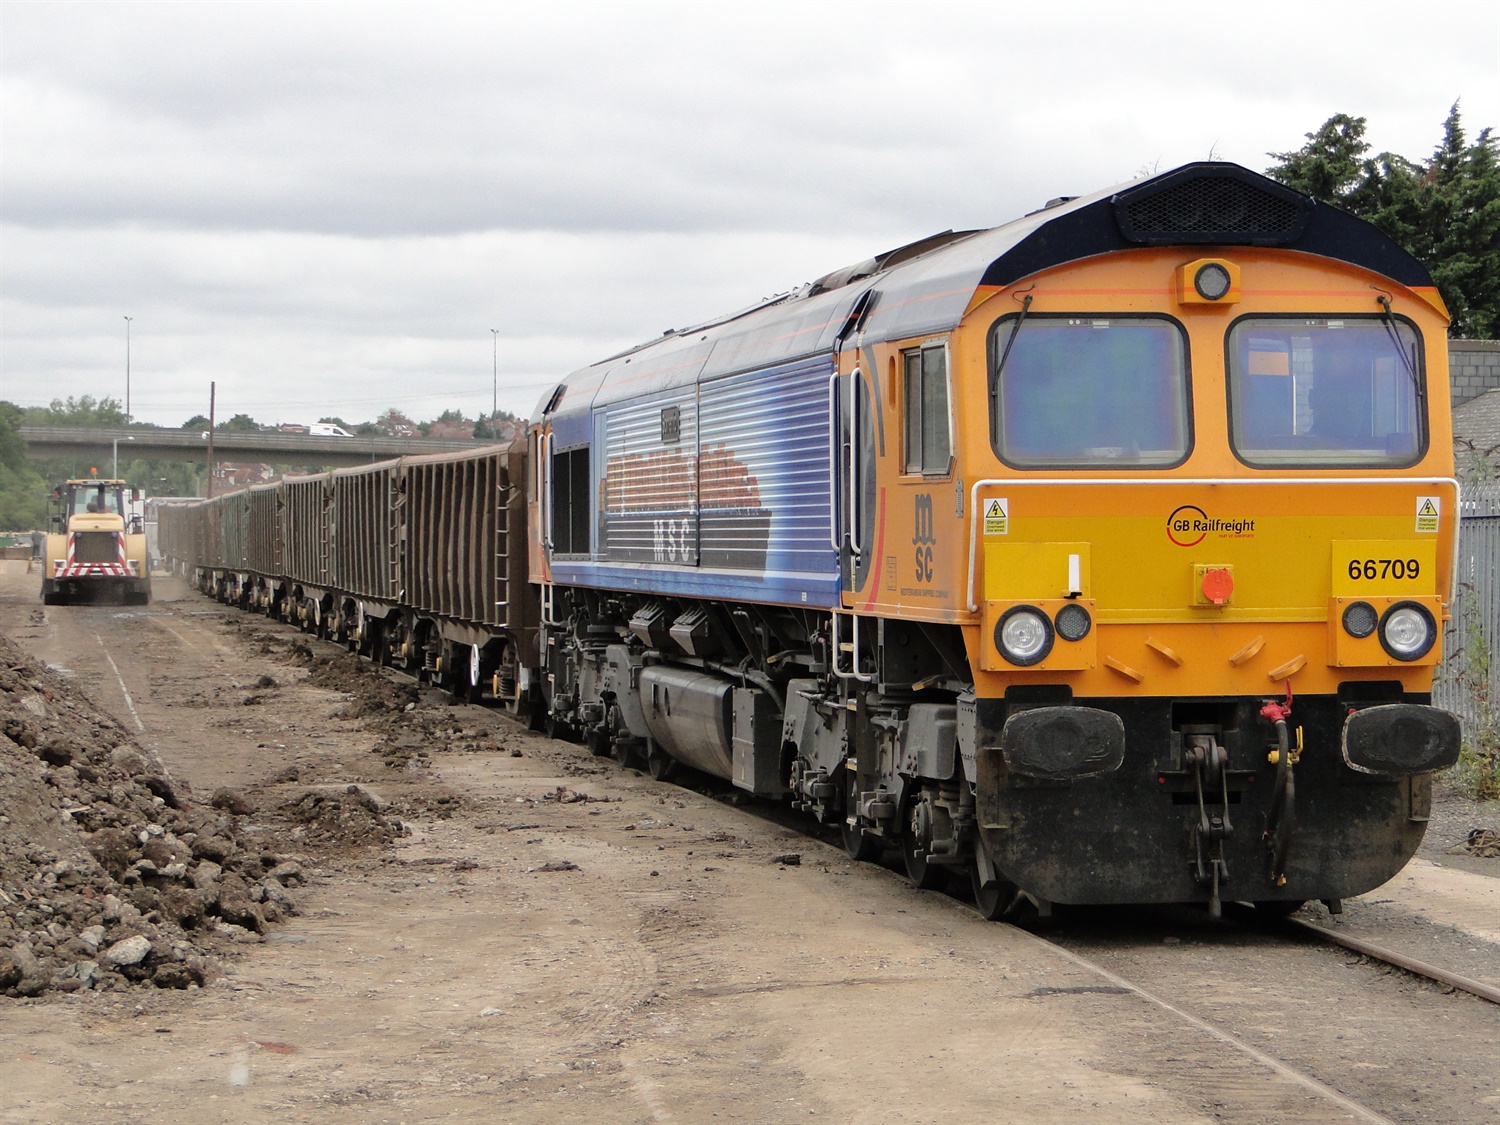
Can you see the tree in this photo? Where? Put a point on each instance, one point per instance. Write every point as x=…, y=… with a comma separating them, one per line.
x=1327, y=167
x=82, y=411
x=23, y=493
x=395, y=423
x=196, y=422
x=1445, y=211
x=239, y=424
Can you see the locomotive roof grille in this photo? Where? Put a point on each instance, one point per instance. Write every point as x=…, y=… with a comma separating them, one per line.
x=1213, y=207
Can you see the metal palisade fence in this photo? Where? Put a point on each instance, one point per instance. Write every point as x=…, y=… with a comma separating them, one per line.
x=1476, y=609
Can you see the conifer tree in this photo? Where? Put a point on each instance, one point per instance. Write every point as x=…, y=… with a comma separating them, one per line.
x=1445, y=211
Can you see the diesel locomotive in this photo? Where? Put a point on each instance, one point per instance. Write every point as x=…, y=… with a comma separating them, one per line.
x=1098, y=557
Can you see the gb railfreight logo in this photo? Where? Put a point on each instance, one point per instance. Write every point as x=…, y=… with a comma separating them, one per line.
x=1190, y=525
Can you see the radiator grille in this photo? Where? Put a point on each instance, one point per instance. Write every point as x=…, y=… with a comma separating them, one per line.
x=95, y=547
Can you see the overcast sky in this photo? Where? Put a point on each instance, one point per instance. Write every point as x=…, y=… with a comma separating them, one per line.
x=326, y=208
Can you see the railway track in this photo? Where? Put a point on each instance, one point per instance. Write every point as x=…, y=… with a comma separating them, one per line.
x=1285, y=1070
x=1342, y=1105
x=1220, y=1026
x=1399, y=960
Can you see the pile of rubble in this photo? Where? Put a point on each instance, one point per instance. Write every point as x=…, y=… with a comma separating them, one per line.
x=111, y=874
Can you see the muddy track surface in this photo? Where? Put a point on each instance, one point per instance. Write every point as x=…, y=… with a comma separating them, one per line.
x=497, y=927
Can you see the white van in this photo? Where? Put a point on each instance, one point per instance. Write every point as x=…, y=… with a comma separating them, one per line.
x=327, y=429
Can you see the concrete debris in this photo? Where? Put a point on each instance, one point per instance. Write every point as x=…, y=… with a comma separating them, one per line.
x=111, y=874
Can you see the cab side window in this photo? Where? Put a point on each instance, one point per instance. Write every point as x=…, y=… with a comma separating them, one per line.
x=928, y=449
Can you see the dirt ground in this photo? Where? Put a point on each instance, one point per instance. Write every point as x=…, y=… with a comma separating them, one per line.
x=525, y=933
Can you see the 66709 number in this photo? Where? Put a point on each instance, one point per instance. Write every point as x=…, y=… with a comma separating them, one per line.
x=1369, y=569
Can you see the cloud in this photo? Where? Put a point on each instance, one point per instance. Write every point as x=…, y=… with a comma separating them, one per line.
x=339, y=201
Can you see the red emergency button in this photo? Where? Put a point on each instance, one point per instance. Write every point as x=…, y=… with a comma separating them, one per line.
x=1218, y=584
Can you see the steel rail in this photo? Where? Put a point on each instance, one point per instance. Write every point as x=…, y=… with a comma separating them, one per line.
x=1290, y=1073
x=1401, y=961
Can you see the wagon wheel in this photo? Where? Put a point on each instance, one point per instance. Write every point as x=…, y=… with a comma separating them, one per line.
x=536, y=713
x=916, y=838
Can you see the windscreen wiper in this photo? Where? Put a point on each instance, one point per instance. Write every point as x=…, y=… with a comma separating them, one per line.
x=1389, y=320
x=1005, y=355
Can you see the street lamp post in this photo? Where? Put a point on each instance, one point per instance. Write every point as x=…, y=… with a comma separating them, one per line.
x=128, y=319
x=495, y=375
x=116, y=445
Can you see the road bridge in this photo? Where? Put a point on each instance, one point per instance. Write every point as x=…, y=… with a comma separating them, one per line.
x=272, y=447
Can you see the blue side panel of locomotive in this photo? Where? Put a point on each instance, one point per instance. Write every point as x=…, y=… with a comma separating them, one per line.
x=719, y=489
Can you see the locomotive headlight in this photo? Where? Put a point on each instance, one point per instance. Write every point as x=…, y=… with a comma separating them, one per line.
x=1211, y=281
x=1024, y=635
x=1360, y=619
x=1073, y=622
x=1407, y=631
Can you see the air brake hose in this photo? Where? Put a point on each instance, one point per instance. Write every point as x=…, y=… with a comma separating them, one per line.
x=1281, y=817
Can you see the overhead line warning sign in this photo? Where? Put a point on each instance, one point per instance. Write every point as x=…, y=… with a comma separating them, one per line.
x=1429, y=509
x=996, y=516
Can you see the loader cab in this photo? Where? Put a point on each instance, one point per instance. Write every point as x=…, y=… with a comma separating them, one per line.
x=99, y=505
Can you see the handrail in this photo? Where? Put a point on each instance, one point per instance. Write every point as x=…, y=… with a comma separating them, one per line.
x=833, y=464
x=853, y=673
x=1181, y=482
x=852, y=529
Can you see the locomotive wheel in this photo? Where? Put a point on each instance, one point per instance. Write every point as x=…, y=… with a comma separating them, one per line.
x=916, y=835
x=660, y=764
x=599, y=742
x=995, y=902
x=558, y=729
x=626, y=754
x=859, y=844
x=1279, y=908
x=862, y=845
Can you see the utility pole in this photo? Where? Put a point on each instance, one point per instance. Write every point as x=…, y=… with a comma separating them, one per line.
x=128, y=319
x=210, y=441
x=495, y=379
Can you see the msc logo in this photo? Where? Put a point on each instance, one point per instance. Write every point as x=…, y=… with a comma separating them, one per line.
x=924, y=536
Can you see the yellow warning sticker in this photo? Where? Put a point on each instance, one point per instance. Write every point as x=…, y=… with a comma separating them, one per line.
x=1429, y=509
x=996, y=516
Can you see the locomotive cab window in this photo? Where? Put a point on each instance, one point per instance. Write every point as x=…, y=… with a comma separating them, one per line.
x=1326, y=392
x=1084, y=391
x=927, y=441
